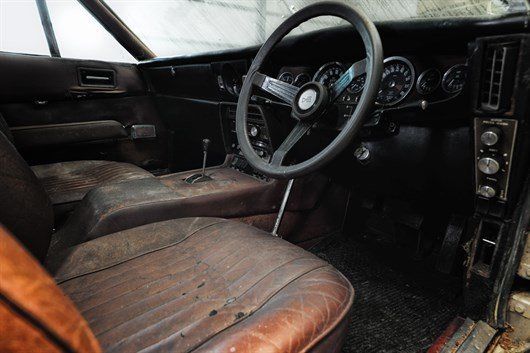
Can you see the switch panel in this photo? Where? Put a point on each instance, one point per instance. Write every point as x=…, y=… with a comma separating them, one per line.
x=494, y=142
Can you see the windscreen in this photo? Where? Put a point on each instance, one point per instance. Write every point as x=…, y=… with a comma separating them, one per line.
x=188, y=27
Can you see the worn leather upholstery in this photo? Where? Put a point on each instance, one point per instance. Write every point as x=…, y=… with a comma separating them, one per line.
x=25, y=208
x=69, y=181
x=205, y=285
x=115, y=207
x=35, y=315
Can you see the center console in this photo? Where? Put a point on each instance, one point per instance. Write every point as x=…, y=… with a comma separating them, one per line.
x=259, y=133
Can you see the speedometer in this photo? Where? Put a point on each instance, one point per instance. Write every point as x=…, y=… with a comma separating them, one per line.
x=329, y=73
x=397, y=81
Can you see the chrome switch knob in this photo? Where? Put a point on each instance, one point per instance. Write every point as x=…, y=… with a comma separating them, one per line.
x=487, y=191
x=489, y=165
x=491, y=136
x=254, y=131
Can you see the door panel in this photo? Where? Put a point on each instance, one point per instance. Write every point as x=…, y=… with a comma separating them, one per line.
x=64, y=109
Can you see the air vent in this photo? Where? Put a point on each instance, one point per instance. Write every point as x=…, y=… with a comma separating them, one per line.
x=498, y=77
x=253, y=114
x=96, y=77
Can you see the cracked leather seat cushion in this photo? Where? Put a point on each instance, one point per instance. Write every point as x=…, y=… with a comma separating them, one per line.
x=70, y=181
x=205, y=285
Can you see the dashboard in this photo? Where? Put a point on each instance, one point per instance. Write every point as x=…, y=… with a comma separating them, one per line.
x=405, y=80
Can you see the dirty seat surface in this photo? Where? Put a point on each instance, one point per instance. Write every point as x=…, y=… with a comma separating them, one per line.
x=205, y=285
x=70, y=181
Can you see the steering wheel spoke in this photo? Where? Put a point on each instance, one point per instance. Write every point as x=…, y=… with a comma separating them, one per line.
x=356, y=70
x=294, y=136
x=285, y=91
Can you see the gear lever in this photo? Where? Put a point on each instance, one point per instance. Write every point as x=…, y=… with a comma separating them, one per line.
x=200, y=177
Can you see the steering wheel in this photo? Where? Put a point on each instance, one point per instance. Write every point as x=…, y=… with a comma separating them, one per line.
x=310, y=102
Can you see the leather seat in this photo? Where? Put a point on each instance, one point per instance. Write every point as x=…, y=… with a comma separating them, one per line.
x=70, y=181
x=187, y=285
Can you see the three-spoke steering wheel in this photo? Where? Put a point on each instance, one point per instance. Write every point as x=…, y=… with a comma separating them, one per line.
x=310, y=102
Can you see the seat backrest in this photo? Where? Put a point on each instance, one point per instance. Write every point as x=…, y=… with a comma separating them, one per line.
x=4, y=128
x=35, y=315
x=25, y=208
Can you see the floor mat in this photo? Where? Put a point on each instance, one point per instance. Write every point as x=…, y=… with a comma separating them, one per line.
x=393, y=311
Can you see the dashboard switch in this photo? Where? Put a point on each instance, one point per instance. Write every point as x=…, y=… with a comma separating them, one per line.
x=487, y=191
x=491, y=136
x=489, y=165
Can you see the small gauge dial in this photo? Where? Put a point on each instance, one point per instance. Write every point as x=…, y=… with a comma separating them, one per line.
x=329, y=73
x=301, y=79
x=286, y=77
x=428, y=81
x=454, y=79
x=357, y=84
x=397, y=81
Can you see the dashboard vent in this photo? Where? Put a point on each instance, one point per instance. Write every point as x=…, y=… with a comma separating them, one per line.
x=498, y=77
x=253, y=114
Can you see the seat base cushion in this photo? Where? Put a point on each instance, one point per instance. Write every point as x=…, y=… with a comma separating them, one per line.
x=69, y=181
x=208, y=285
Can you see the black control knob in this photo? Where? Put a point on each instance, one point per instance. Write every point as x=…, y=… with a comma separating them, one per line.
x=489, y=165
x=491, y=136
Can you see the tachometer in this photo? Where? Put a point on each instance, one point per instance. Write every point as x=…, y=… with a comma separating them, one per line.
x=397, y=81
x=329, y=73
x=454, y=79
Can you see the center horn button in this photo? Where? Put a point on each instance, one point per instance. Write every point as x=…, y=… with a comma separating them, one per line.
x=310, y=101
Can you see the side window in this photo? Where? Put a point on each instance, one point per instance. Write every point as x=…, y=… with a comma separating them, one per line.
x=21, y=30
x=79, y=35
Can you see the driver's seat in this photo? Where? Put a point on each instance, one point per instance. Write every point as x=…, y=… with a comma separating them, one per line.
x=190, y=284
x=187, y=285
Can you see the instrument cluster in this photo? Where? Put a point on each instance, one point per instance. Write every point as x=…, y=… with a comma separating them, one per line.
x=399, y=80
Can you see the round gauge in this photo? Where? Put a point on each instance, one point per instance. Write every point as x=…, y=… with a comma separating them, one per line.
x=454, y=79
x=428, y=81
x=329, y=73
x=286, y=77
x=301, y=79
x=396, y=82
x=357, y=84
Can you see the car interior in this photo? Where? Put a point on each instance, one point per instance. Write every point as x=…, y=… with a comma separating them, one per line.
x=356, y=188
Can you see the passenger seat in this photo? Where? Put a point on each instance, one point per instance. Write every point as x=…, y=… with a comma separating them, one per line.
x=68, y=182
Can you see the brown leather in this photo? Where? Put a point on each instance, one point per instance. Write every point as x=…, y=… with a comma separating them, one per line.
x=229, y=194
x=70, y=181
x=25, y=208
x=35, y=315
x=206, y=285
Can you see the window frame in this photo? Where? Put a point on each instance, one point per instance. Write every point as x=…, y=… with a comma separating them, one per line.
x=106, y=18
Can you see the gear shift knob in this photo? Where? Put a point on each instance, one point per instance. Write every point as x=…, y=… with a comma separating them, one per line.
x=205, y=145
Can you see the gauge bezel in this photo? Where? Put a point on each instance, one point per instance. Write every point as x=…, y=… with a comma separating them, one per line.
x=422, y=75
x=321, y=69
x=286, y=73
x=447, y=72
x=300, y=75
x=412, y=70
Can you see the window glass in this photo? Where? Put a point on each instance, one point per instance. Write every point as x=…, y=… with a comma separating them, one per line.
x=79, y=35
x=183, y=27
x=21, y=29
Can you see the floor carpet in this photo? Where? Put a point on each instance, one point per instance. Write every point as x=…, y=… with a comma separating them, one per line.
x=398, y=306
